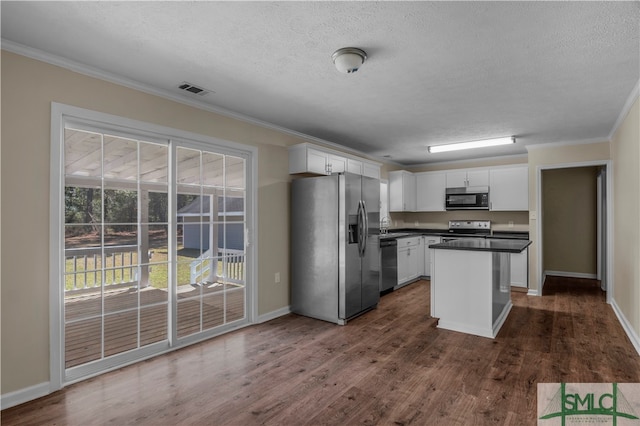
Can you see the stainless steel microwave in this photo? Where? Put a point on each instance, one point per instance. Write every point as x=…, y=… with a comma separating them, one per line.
x=467, y=198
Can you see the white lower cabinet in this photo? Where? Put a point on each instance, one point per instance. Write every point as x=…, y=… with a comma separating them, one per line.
x=428, y=240
x=520, y=269
x=410, y=259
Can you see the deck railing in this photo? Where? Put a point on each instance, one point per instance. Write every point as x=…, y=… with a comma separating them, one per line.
x=201, y=268
x=83, y=267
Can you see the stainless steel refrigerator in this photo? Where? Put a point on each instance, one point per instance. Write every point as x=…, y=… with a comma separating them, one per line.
x=335, y=252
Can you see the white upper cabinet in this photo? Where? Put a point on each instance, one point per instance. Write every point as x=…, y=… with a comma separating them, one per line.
x=460, y=178
x=371, y=170
x=354, y=166
x=509, y=188
x=402, y=191
x=308, y=158
x=336, y=164
x=316, y=162
x=430, y=191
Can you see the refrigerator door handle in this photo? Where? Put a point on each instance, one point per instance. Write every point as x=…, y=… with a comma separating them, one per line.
x=361, y=229
x=365, y=231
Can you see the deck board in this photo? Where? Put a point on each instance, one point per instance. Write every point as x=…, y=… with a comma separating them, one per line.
x=83, y=334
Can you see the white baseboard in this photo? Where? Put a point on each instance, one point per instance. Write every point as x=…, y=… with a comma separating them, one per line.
x=273, y=314
x=533, y=292
x=631, y=333
x=570, y=274
x=21, y=396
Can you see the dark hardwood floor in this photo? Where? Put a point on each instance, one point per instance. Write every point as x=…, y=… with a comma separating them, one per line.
x=389, y=366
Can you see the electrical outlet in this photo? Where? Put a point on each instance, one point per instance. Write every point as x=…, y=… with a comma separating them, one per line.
x=510, y=224
x=277, y=277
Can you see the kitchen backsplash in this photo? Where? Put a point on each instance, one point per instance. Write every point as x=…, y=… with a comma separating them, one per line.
x=500, y=221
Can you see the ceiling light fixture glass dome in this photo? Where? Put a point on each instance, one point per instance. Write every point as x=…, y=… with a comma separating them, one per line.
x=349, y=59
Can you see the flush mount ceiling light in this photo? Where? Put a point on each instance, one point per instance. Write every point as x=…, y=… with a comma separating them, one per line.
x=349, y=59
x=472, y=144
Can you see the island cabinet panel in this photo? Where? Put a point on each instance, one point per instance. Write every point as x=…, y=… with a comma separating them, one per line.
x=430, y=191
x=402, y=191
x=520, y=269
x=428, y=240
x=509, y=188
x=470, y=291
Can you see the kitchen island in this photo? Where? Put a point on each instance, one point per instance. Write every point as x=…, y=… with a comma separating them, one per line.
x=470, y=284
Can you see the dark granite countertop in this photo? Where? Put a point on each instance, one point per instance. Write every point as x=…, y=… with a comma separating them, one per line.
x=408, y=232
x=496, y=245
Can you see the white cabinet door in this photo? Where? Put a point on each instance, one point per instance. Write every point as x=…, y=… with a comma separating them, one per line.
x=337, y=164
x=317, y=162
x=456, y=179
x=430, y=191
x=460, y=178
x=509, y=188
x=354, y=166
x=410, y=259
x=420, y=256
x=371, y=170
x=478, y=178
x=428, y=240
x=403, y=265
x=413, y=262
x=520, y=269
x=402, y=191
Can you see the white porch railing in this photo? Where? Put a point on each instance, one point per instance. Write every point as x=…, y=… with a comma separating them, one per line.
x=201, y=268
x=83, y=267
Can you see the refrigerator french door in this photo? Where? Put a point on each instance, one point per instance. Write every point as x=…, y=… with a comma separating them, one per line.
x=335, y=254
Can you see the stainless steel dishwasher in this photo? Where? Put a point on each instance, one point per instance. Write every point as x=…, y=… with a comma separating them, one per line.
x=389, y=264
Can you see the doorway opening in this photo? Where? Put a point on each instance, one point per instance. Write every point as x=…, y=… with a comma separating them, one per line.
x=574, y=228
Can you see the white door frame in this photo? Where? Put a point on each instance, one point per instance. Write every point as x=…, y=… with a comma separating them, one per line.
x=61, y=114
x=609, y=211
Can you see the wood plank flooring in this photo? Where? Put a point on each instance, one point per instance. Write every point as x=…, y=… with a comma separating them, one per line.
x=391, y=366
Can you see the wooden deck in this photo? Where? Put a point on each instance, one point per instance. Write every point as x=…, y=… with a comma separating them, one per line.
x=83, y=335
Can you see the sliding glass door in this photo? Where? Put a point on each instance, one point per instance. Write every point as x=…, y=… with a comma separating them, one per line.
x=211, y=225
x=154, y=246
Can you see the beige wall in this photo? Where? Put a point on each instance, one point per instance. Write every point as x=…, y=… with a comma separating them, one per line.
x=28, y=88
x=569, y=207
x=625, y=152
x=554, y=156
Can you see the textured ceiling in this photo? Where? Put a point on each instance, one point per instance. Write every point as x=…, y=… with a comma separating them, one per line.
x=437, y=72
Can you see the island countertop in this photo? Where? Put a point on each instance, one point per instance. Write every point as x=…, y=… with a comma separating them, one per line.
x=501, y=246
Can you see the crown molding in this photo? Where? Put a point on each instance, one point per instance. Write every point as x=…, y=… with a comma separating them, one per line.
x=565, y=143
x=87, y=70
x=635, y=93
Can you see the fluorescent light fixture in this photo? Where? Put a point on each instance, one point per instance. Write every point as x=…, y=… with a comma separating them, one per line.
x=472, y=144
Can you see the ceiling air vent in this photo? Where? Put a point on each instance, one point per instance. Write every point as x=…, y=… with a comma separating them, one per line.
x=192, y=88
